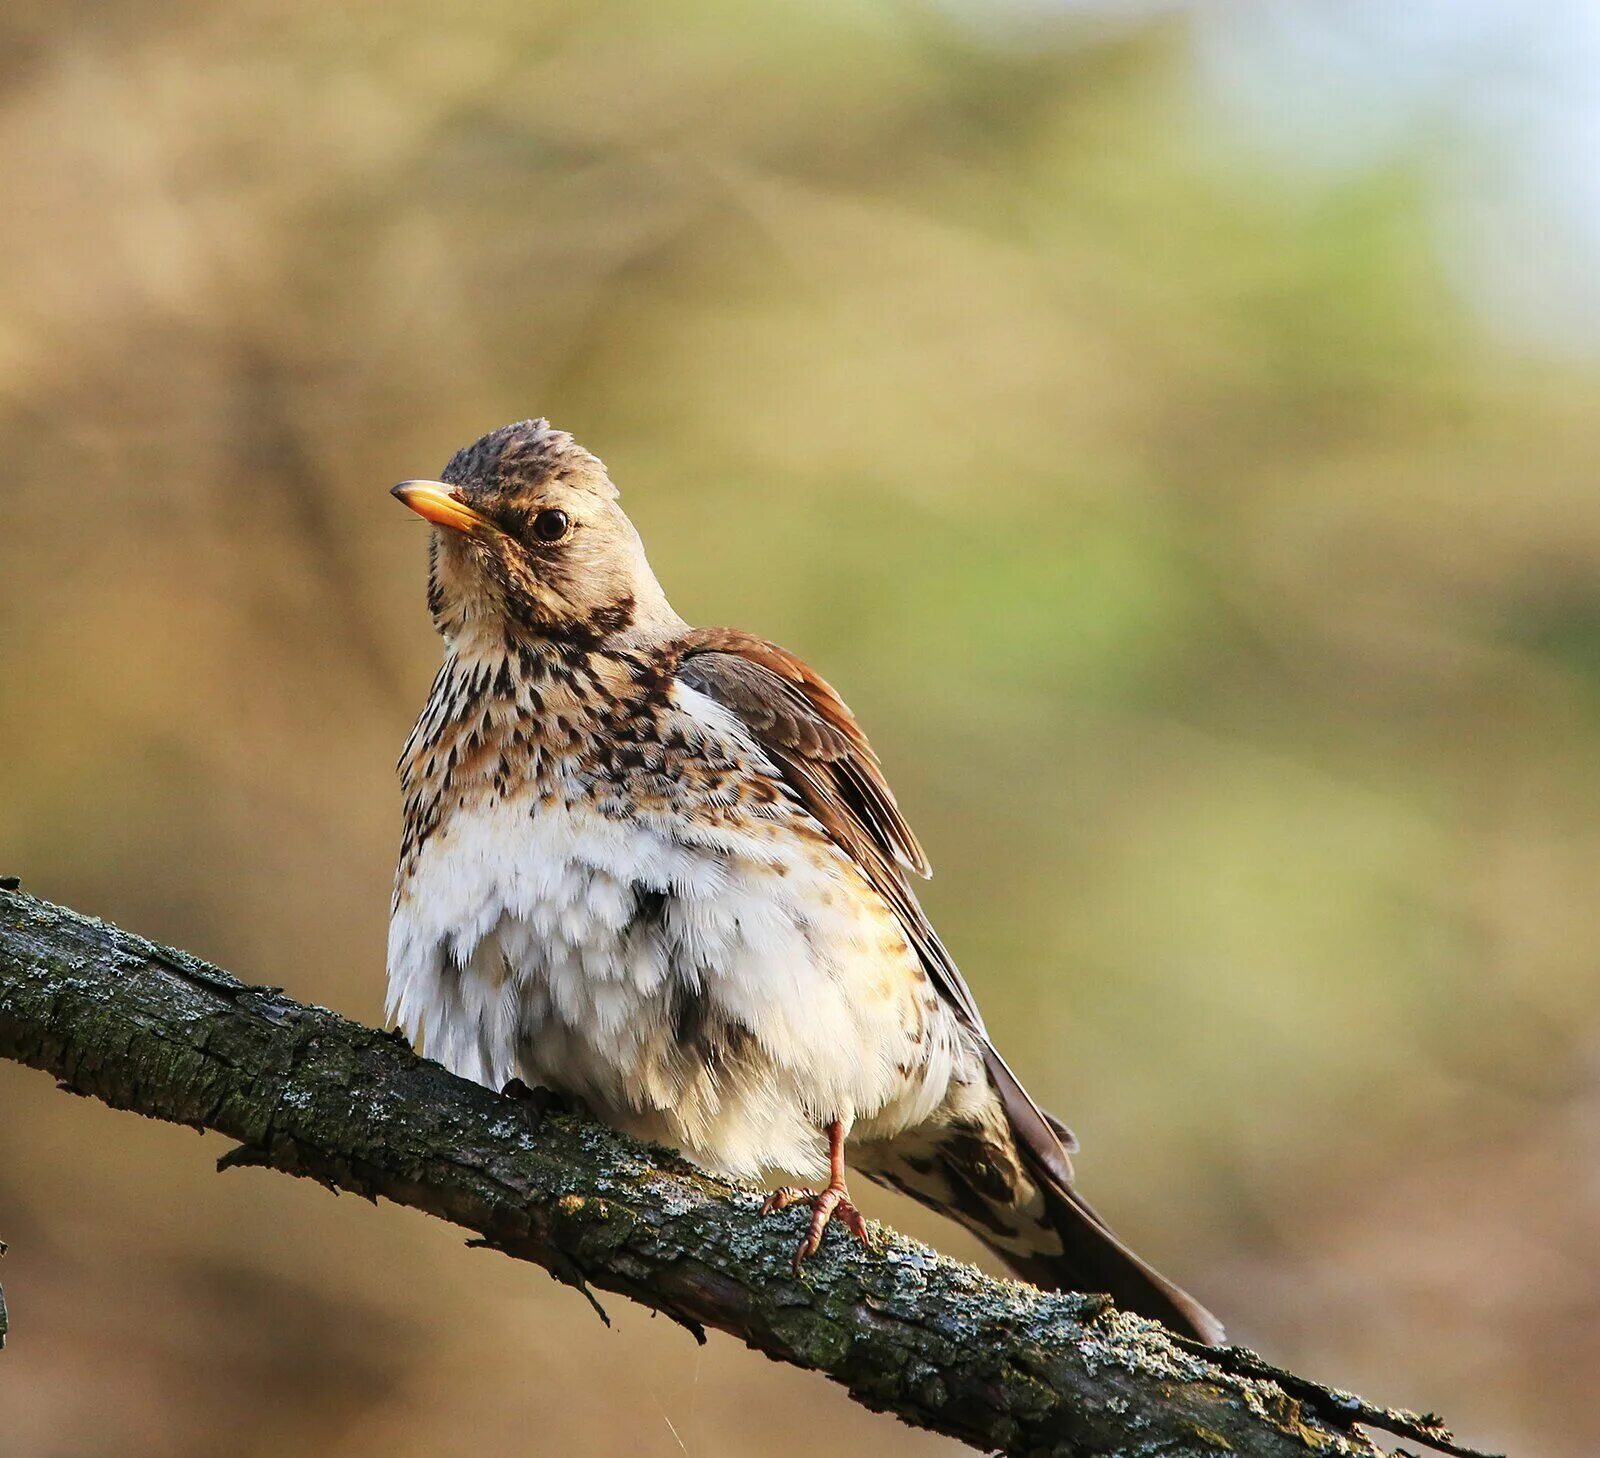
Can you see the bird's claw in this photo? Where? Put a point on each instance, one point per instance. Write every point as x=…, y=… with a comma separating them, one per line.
x=827, y=1205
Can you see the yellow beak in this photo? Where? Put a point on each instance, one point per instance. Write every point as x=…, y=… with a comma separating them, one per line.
x=434, y=501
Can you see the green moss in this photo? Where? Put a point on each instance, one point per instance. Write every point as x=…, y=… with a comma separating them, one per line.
x=814, y=1339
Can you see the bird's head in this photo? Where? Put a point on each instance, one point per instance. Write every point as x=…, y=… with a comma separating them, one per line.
x=529, y=540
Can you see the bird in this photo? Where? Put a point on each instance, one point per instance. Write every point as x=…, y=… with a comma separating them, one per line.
x=658, y=871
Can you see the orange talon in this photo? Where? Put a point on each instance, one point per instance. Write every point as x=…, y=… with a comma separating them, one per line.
x=826, y=1204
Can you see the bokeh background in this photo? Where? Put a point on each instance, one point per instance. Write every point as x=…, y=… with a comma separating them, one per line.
x=1174, y=427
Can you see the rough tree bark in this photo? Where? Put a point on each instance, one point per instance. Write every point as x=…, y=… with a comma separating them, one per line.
x=995, y=1363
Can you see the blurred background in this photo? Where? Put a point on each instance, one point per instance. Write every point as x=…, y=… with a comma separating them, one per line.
x=1172, y=426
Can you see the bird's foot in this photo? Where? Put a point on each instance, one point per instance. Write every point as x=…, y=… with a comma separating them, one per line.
x=827, y=1205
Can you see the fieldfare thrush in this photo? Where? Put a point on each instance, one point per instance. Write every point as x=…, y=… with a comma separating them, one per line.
x=658, y=869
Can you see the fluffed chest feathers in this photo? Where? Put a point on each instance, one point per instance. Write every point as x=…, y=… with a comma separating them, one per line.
x=724, y=990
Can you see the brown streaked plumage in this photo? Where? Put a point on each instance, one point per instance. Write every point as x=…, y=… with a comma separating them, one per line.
x=660, y=869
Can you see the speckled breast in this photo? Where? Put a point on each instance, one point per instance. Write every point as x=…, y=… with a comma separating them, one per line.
x=640, y=916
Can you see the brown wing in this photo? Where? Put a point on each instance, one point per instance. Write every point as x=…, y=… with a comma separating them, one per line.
x=797, y=715
x=814, y=740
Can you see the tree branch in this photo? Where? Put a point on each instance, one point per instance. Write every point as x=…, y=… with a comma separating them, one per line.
x=995, y=1363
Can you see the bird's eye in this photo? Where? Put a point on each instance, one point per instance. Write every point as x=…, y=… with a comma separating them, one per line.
x=551, y=525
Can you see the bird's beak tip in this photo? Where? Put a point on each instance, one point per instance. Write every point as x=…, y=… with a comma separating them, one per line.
x=435, y=502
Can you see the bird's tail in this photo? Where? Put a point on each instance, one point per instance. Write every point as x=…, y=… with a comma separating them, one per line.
x=1087, y=1256
x=1006, y=1176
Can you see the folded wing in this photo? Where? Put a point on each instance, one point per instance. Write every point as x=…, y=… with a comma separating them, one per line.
x=813, y=739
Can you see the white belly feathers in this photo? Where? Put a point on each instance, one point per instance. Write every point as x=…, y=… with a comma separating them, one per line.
x=727, y=992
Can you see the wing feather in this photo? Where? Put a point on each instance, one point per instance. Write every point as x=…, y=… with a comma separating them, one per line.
x=814, y=740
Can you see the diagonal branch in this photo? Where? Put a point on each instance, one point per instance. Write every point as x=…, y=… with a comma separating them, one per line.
x=995, y=1363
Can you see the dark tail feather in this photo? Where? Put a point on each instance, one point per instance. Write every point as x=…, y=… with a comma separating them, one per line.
x=1003, y=1171
x=1093, y=1259
x=982, y=1175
